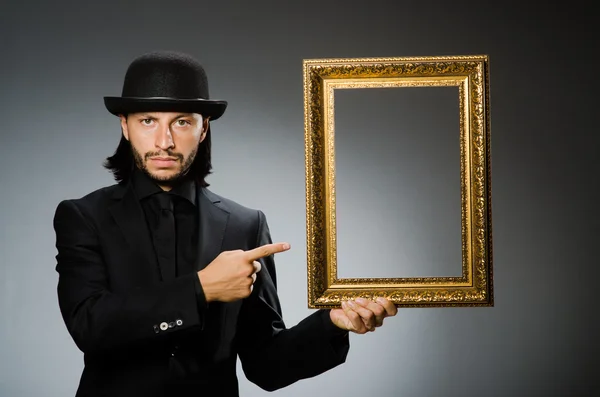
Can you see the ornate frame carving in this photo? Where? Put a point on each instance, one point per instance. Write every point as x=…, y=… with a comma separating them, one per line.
x=470, y=74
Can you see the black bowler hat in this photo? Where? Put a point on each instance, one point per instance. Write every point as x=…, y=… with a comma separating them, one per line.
x=165, y=82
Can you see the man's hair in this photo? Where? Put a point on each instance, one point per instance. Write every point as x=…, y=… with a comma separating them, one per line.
x=122, y=163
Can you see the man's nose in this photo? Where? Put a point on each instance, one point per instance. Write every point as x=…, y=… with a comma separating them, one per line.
x=164, y=138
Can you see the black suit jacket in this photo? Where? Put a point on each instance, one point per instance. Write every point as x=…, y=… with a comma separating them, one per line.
x=144, y=336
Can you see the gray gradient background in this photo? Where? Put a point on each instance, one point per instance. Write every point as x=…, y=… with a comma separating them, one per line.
x=59, y=58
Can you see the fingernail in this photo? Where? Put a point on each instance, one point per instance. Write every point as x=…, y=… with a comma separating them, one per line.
x=286, y=246
x=381, y=300
x=352, y=304
x=362, y=301
x=344, y=304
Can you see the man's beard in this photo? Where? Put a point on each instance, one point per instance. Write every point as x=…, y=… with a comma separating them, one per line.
x=169, y=180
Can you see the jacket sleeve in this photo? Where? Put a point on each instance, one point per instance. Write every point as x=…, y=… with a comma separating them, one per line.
x=100, y=320
x=272, y=355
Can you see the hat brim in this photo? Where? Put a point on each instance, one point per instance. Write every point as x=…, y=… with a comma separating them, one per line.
x=125, y=105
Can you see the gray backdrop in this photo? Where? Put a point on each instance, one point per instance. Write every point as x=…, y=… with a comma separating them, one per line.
x=59, y=58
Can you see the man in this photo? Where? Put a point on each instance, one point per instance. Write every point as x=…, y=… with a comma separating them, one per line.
x=162, y=283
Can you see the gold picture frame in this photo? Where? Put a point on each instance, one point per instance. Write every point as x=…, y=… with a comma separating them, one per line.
x=470, y=74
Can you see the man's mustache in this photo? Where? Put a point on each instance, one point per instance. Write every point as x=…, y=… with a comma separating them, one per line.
x=178, y=156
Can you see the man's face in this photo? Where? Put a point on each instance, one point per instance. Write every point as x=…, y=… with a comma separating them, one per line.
x=164, y=144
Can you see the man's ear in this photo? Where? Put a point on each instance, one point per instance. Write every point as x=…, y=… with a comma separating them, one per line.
x=205, y=127
x=124, y=126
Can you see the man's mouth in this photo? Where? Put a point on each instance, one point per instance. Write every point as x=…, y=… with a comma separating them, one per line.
x=164, y=158
x=163, y=161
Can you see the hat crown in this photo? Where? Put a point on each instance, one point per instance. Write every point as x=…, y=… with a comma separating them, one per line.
x=166, y=75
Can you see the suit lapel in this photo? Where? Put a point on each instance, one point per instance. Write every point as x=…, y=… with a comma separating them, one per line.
x=213, y=222
x=129, y=216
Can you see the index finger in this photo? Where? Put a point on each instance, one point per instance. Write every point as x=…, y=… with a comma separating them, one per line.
x=266, y=250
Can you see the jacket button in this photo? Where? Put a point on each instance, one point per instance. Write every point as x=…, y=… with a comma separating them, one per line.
x=156, y=329
x=179, y=322
x=171, y=324
x=164, y=326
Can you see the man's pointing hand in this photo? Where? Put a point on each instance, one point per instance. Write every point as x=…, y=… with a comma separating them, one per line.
x=232, y=274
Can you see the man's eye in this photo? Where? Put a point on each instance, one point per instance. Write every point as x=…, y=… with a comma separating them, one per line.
x=146, y=121
x=182, y=123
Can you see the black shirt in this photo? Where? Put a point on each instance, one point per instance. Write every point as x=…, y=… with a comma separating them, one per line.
x=186, y=220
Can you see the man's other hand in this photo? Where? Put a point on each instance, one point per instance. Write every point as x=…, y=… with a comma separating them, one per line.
x=362, y=315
